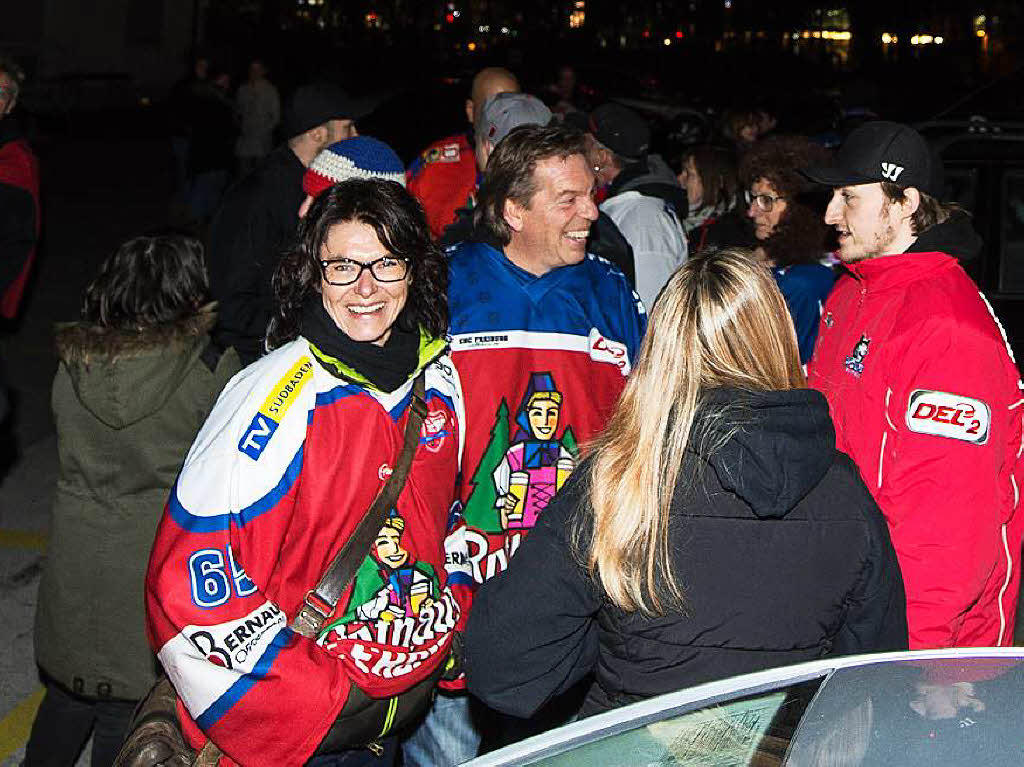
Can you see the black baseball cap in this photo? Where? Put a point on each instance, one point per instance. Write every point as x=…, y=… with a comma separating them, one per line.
x=882, y=151
x=317, y=103
x=620, y=129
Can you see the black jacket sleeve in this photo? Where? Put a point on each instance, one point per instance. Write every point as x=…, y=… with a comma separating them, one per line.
x=532, y=635
x=17, y=232
x=876, y=615
x=243, y=252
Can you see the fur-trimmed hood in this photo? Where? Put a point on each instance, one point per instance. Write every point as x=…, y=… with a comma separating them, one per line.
x=122, y=376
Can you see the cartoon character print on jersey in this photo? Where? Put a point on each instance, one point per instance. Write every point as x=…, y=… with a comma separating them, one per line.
x=517, y=476
x=536, y=464
x=391, y=583
x=397, y=615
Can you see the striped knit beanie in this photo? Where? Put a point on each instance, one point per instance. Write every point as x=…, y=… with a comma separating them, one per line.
x=359, y=157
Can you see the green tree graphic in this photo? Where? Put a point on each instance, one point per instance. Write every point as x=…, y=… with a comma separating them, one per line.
x=569, y=442
x=480, y=511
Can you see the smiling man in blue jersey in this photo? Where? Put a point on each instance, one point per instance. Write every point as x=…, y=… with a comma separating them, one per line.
x=537, y=324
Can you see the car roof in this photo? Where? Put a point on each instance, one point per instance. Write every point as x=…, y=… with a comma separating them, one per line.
x=976, y=140
x=673, y=704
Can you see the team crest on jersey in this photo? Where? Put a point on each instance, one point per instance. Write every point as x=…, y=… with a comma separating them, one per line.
x=434, y=430
x=446, y=153
x=829, y=321
x=855, y=362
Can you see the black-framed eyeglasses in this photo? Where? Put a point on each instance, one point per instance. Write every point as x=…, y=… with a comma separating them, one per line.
x=345, y=271
x=764, y=201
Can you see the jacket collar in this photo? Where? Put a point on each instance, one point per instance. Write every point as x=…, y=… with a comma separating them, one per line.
x=899, y=270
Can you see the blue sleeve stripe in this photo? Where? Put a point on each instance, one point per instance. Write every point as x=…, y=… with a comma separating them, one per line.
x=211, y=524
x=338, y=392
x=245, y=683
x=460, y=579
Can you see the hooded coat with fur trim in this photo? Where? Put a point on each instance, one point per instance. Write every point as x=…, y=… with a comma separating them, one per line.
x=127, y=405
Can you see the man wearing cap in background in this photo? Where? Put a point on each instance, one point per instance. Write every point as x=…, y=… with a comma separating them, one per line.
x=923, y=390
x=644, y=198
x=501, y=113
x=257, y=217
x=359, y=157
x=445, y=176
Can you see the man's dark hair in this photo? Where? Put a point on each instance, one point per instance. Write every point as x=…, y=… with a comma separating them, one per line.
x=929, y=212
x=400, y=225
x=510, y=172
x=801, y=237
x=148, y=281
x=716, y=166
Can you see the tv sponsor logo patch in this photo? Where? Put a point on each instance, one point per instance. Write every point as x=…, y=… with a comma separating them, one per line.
x=274, y=407
x=948, y=415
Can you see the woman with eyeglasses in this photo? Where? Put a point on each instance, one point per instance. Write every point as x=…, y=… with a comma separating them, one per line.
x=788, y=211
x=713, y=530
x=295, y=452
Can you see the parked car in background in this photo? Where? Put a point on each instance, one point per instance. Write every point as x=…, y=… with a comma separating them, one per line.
x=984, y=169
x=919, y=709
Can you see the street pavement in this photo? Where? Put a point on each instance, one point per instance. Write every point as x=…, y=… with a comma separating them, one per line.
x=96, y=194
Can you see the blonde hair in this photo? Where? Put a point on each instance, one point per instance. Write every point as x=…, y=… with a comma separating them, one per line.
x=720, y=321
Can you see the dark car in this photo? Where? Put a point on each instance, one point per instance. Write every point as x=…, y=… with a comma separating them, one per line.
x=984, y=169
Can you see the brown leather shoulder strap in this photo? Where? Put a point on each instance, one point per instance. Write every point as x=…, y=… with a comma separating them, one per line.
x=319, y=603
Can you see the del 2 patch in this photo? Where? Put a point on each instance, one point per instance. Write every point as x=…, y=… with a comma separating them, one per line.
x=948, y=415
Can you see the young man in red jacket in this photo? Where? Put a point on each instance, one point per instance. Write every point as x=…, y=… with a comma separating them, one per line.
x=922, y=387
x=19, y=196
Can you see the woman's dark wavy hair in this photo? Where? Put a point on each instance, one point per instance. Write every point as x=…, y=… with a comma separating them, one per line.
x=150, y=280
x=398, y=220
x=801, y=236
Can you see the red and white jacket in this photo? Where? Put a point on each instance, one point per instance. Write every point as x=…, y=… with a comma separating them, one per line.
x=280, y=475
x=927, y=400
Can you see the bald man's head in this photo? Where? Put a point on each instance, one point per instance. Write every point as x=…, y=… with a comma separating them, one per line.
x=489, y=82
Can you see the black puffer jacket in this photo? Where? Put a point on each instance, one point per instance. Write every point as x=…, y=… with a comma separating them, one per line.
x=781, y=551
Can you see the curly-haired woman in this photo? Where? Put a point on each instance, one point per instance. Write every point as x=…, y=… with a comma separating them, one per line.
x=788, y=214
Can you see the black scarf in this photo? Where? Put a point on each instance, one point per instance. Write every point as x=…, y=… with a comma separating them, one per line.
x=387, y=367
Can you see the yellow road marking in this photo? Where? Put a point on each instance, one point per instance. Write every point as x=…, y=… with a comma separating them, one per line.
x=16, y=726
x=21, y=539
